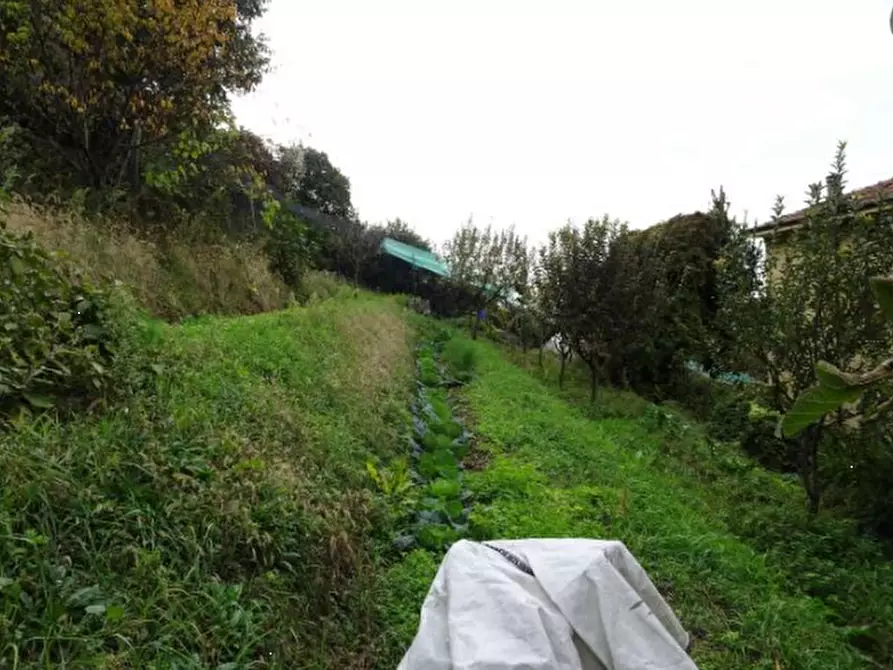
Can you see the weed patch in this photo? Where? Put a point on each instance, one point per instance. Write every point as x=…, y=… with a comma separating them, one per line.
x=171, y=276
x=728, y=544
x=219, y=518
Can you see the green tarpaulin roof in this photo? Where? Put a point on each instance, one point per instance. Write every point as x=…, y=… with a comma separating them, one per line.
x=416, y=257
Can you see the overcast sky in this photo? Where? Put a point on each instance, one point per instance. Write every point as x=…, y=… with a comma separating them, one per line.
x=533, y=113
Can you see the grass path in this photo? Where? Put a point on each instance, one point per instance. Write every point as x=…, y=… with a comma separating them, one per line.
x=555, y=472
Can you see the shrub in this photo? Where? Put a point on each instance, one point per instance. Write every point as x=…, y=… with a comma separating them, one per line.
x=55, y=337
x=428, y=373
x=321, y=285
x=461, y=357
x=289, y=248
x=171, y=274
x=859, y=470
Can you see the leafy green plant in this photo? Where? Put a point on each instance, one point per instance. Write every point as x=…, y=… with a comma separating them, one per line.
x=56, y=339
x=439, y=463
x=393, y=481
x=289, y=247
x=837, y=388
x=460, y=357
x=444, y=488
x=428, y=373
x=441, y=514
x=810, y=303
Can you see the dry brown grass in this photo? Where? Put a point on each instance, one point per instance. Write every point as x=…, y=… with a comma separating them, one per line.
x=380, y=343
x=171, y=276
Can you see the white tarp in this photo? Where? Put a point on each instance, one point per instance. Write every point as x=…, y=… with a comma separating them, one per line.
x=588, y=605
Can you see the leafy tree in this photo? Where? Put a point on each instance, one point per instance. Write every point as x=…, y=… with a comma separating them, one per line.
x=93, y=82
x=286, y=179
x=836, y=389
x=552, y=277
x=492, y=265
x=815, y=305
x=357, y=246
x=322, y=186
x=677, y=259
x=400, y=230
x=591, y=285
x=226, y=174
x=578, y=278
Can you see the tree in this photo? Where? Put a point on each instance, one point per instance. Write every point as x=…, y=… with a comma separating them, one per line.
x=287, y=178
x=815, y=305
x=357, y=246
x=92, y=82
x=322, y=186
x=226, y=174
x=491, y=265
x=578, y=277
x=591, y=284
x=677, y=264
x=400, y=230
x=551, y=280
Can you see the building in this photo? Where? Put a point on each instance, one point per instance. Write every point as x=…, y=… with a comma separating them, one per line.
x=778, y=235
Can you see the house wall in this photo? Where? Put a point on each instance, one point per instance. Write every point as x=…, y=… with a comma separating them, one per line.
x=778, y=254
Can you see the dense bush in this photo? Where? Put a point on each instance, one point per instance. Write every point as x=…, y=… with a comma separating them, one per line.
x=635, y=306
x=737, y=412
x=56, y=341
x=289, y=248
x=461, y=358
x=816, y=304
x=858, y=470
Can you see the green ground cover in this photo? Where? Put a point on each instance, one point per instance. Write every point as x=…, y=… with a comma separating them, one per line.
x=757, y=583
x=221, y=518
x=259, y=504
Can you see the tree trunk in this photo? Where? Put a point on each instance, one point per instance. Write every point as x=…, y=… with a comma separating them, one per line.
x=594, y=384
x=809, y=466
x=561, y=371
x=540, y=357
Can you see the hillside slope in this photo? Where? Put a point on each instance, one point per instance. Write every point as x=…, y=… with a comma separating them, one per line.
x=223, y=516
x=756, y=582
x=218, y=519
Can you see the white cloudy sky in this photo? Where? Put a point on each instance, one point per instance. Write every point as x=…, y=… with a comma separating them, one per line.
x=532, y=113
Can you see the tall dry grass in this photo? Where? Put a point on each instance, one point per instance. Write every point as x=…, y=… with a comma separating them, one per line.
x=172, y=275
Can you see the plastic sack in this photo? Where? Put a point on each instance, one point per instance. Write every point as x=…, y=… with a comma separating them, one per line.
x=568, y=604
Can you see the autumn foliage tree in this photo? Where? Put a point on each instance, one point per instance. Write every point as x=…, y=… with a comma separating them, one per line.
x=91, y=82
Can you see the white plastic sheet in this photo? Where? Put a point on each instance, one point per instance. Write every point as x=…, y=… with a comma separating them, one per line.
x=588, y=605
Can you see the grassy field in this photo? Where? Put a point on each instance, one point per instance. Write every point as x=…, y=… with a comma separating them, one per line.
x=221, y=518
x=755, y=581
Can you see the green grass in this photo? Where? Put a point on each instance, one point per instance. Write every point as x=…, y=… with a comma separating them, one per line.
x=224, y=517
x=219, y=519
x=756, y=583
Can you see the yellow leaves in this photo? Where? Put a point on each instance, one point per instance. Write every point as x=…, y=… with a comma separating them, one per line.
x=156, y=63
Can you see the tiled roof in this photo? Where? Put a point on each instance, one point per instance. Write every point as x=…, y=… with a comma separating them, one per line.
x=863, y=197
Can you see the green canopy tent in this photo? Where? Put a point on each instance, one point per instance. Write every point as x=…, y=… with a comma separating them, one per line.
x=417, y=258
